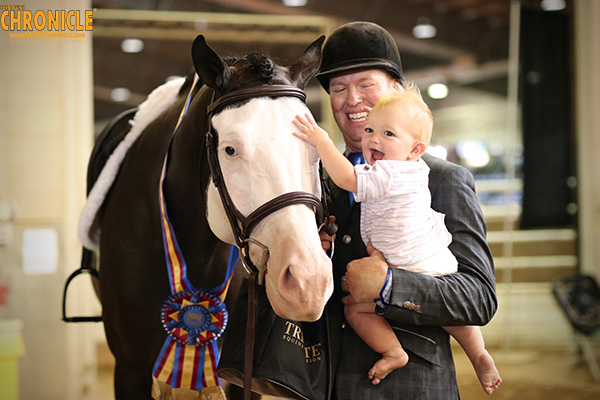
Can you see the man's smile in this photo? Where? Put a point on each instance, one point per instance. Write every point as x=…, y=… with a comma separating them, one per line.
x=358, y=117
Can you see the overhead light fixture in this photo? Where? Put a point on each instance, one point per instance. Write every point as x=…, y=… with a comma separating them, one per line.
x=474, y=154
x=424, y=29
x=200, y=24
x=437, y=91
x=294, y=3
x=120, y=94
x=132, y=45
x=553, y=5
x=438, y=151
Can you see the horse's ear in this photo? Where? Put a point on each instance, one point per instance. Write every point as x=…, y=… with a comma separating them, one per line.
x=308, y=65
x=211, y=68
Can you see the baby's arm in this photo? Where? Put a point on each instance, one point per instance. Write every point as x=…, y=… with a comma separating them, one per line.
x=338, y=167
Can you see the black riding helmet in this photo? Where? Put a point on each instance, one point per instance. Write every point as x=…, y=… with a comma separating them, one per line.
x=359, y=45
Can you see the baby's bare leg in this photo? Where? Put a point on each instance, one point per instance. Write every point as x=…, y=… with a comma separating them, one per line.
x=376, y=332
x=471, y=340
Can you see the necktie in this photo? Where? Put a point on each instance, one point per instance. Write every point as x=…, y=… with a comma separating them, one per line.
x=356, y=159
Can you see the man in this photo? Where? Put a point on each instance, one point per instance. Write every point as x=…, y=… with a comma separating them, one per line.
x=361, y=64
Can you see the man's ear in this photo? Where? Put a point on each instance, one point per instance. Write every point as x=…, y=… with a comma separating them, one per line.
x=417, y=151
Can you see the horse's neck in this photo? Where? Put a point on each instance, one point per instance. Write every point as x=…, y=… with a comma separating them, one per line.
x=188, y=152
x=188, y=173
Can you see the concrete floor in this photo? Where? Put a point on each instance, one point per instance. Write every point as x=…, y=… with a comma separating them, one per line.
x=540, y=374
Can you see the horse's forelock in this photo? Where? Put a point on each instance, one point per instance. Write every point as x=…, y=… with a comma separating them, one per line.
x=262, y=65
x=255, y=66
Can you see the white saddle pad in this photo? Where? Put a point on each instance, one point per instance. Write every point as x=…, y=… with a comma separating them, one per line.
x=158, y=101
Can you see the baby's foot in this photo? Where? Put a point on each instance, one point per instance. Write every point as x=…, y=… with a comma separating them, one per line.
x=390, y=360
x=486, y=372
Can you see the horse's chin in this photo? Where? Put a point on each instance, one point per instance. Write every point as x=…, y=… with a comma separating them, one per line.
x=294, y=312
x=305, y=306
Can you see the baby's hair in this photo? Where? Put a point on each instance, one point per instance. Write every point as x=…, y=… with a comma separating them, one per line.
x=410, y=96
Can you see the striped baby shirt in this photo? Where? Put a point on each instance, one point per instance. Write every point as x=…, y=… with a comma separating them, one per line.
x=396, y=213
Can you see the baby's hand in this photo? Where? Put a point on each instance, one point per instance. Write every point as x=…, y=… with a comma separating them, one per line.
x=309, y=130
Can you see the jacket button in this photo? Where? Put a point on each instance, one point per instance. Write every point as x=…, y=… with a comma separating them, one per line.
x=347, y=239
x=411, y=306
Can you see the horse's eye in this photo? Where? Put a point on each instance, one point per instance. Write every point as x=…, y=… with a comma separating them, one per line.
x=230, y=151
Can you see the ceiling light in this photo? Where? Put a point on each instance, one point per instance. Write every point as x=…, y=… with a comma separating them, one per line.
x=120, y=94
x=132, y=45
x=437, y=91
x=424, y=29
x=438, y=151
x=200, y=24
x=553, y=5
x=474, y=154
x=294, y=3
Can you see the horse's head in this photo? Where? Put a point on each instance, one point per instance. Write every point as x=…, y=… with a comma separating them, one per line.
x=261, y=160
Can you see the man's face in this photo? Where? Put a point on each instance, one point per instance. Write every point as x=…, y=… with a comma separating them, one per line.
x=352, y=97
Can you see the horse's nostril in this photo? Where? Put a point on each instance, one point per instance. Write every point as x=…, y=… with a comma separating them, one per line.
x=289, y=282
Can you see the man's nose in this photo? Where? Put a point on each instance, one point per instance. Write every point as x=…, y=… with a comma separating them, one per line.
x=354, y=97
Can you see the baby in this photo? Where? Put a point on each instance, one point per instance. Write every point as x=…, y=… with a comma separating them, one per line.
x=397, y=218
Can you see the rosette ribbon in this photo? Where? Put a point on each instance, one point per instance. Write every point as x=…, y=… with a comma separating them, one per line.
x=193, y=318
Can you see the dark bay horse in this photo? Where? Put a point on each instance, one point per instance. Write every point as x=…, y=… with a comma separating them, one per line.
x=260, y=160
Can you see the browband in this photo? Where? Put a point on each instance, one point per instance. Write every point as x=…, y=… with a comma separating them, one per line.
x=253, y=92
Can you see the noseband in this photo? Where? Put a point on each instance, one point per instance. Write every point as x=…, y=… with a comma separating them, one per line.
x=242, y=226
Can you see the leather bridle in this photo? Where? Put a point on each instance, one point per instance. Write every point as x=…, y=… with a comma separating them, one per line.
x=242, y=226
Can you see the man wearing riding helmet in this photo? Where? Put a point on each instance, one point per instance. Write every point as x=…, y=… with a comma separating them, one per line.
x=361, y=64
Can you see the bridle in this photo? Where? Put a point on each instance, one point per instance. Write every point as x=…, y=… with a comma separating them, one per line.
x=242, y=226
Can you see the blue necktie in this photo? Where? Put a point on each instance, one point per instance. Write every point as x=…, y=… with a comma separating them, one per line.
x=356, y=159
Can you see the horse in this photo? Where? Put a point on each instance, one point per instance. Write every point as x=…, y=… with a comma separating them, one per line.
x=260, y=162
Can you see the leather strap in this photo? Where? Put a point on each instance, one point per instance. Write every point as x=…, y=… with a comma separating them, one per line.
x=254, y=92
x=286, y=199
x=250, y=332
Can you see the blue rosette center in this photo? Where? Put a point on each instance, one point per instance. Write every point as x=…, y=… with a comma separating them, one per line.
x=194, y=316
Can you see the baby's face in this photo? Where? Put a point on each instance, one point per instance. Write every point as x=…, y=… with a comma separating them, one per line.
x=388, y=135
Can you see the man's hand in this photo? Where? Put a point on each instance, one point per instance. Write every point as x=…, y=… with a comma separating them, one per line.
x=326, y=239
x=365, y=277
